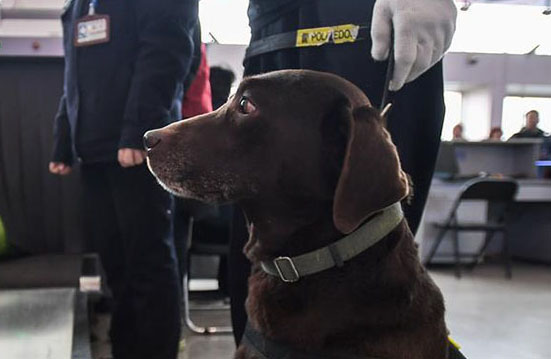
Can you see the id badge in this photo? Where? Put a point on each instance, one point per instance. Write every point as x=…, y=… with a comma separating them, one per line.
x=92, y=30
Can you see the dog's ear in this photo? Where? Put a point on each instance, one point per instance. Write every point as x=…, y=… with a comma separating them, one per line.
x=371, y=178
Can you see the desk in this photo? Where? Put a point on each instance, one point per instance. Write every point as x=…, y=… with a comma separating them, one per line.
x=512, y=158
x=528, y=223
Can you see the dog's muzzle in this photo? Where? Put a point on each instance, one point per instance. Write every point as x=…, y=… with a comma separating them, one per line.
x=151, y=139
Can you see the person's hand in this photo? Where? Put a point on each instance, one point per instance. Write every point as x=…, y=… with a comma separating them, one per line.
x=423, y=31
x=59, y=168
x=129, y=157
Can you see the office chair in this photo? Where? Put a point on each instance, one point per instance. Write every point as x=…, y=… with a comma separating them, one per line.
x=499, y=193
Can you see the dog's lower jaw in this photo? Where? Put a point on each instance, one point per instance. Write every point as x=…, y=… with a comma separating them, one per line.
x=210, y=198
x=184, y=193
x=193, y=189
x=175, y=189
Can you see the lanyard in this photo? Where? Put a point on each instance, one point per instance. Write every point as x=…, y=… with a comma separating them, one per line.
x=92, y=7
x=386, y=101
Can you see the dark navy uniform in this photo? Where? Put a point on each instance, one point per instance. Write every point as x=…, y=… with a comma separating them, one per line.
x=113, y=93
x=415, y=121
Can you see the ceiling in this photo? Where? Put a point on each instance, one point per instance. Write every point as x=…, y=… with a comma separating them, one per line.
x=511, y=2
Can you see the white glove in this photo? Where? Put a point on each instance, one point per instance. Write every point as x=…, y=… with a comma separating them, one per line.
x=423, y=31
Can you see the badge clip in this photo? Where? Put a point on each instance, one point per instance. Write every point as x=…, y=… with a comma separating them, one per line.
x=92, y=29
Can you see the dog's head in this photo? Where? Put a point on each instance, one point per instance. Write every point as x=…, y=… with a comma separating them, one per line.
x=287, y=134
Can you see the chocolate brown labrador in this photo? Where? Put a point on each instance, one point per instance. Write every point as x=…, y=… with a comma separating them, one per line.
x=307, y=158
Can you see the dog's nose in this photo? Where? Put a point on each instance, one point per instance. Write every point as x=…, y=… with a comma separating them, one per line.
x=151, y=139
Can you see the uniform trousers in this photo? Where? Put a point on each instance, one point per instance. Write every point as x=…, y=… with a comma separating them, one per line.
x=128, y=218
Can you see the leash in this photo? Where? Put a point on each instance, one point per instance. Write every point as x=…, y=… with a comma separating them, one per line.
x=266, y=348
x=386, y=103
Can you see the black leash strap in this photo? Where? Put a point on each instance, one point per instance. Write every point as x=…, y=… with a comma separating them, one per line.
x=265, y=348
x=268, y=349
x=454, y=353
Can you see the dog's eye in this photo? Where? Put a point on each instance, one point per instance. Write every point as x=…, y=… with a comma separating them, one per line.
x=246, y=106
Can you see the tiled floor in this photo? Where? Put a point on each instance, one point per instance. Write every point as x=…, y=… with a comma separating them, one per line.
x=490, y=316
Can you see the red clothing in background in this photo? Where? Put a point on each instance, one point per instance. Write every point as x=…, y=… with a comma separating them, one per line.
x=197, y=98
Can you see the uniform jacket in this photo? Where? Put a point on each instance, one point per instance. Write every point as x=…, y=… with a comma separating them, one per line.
x=114, y=92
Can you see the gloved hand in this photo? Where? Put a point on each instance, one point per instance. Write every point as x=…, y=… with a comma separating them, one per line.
x=423, y=31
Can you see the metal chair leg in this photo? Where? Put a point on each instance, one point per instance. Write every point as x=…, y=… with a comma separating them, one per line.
x=456, y=254
x=194, y=327
x=506, y=256
x=187, y=317
x=480, y=255
x=435, y=245
x=185, y=286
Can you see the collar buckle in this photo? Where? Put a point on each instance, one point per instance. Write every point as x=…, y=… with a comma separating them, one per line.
x=286, y=269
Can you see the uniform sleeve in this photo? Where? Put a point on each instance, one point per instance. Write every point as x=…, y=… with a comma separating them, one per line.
x=165, y=30
x=62, y=135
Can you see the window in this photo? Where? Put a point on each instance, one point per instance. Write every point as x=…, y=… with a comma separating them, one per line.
x=227, y=21
x=453, y=101
x=502, y=28
x=514, y=109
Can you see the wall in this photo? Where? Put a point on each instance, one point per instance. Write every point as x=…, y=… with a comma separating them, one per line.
x=40, y=210
x=488, y=78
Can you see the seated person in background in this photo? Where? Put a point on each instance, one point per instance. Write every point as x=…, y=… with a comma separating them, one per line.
x=495, y=134
x=458, y=133
x=530, y=130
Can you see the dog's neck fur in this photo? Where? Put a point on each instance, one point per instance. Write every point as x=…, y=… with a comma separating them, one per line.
x=277, y=228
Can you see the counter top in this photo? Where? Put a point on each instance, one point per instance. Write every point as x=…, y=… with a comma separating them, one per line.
x=530, y=189
x=515, y=142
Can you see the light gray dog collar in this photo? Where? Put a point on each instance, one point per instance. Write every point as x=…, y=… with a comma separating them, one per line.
x=291, y=269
